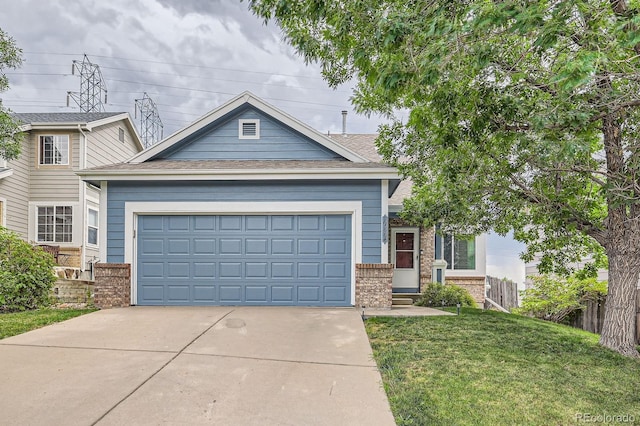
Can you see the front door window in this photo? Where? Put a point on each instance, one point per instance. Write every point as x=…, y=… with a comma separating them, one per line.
x=404, y=250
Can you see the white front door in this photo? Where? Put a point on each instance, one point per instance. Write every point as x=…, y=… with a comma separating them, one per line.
x=405, y=255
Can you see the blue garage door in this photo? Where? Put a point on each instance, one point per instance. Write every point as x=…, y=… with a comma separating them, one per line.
x=244, y=260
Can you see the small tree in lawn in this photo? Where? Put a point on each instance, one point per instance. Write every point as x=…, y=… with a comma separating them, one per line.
x=509, y=115
x=10, y=57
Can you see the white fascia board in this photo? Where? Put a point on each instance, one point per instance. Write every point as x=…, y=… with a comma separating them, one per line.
x=59, y=126
x=241, y=174
x=238, y=101
x=5, y=173
x=136, y=208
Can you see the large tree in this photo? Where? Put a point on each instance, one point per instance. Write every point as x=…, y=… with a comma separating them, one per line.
x=509, y=115
x=10, y=57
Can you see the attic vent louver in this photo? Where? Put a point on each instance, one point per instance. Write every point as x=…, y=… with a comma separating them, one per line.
x=249, y=129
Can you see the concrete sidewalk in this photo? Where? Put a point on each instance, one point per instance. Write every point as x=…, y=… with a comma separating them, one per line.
x=192, y=365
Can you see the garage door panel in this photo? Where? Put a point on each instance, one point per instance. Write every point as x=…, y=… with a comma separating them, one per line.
x=282, y=294
x=256, y=270
x=153, y=293
x=230, y=223
x=178, y=293
x=178, y=223
x=230, y=246
x=231, y=293
x=204, y=293
x=253, y=259
x=205, y=246
x=307, y=246
x=282, y=246
x=178, y=246
x=309, y=294
x=231, y=270
x=152, y=246
x=256, y=246
x=256, y=294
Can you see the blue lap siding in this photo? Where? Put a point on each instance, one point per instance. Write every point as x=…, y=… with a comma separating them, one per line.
x=368, y=192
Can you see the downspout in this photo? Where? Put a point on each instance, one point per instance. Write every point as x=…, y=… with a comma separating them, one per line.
x=82, y=163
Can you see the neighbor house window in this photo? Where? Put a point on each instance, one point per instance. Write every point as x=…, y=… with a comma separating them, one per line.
x=120, y=134
x=460, y=253
x=54, y=150
x=55, y=224
x=92, y=227
x=249, y=129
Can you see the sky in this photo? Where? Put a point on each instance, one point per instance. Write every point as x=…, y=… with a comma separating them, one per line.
x=189, y=56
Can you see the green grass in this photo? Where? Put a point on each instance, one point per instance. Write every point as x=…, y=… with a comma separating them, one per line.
x=490, y=368
x=21, y=322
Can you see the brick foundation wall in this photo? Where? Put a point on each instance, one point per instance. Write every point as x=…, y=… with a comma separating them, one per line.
x=373, y=285
x=474, y=285
x=112, y=285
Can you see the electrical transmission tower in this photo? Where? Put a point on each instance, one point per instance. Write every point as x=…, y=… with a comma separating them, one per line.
x=92, y=86
x=150, y=123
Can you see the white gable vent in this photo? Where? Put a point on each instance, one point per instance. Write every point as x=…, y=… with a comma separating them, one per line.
x=249, y=129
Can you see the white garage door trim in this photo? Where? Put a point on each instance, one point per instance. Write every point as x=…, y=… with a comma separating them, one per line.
x=133, y=209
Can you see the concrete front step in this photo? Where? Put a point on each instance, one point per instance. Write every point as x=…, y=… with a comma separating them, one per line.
x=401, y=301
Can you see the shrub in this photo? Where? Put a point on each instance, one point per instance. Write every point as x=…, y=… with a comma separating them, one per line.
x=435, y=293
x=555, y=298
x=26, y=274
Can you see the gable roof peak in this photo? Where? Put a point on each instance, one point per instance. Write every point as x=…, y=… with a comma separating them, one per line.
x=247, y=98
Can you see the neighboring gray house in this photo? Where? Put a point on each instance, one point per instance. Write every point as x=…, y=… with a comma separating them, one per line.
x=42, y=198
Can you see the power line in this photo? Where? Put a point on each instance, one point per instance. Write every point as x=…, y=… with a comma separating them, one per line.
x=177, y=64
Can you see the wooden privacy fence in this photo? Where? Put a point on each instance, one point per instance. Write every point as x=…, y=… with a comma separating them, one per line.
x=592, y=317
x=503, y=292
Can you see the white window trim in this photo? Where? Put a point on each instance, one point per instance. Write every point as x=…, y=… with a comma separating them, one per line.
x=97, y=227
x=40, y=163
x=481, y=260
x=73, y=206
x=133, y=209
x=240, y=129
x=3, y=212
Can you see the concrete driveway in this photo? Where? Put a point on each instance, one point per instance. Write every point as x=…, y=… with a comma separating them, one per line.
x=194, y=365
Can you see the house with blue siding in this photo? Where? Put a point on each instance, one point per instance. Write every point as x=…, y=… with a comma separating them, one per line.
x=246, y=206
x=249, y=206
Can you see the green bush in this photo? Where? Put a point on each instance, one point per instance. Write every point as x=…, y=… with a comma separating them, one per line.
x=26, y=274
x=554, y=298
x=435, y=293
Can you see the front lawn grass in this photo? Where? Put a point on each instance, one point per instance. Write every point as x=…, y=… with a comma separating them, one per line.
x=490, y=368
x=21, y=322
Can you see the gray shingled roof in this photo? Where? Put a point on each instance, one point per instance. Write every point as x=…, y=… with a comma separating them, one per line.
x=238, y=165
x=62, y=117
x=364, y=144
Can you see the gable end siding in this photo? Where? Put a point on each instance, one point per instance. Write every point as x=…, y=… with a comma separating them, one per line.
x=276, y=142
x=368, y=192
x=14, y=191
x=104, y=146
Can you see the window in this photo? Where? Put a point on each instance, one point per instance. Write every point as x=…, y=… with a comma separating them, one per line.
x=54, y=150
x=92, y=227
x=120, y=134
x=55, y=224
x=249, y=129
x=459, y=253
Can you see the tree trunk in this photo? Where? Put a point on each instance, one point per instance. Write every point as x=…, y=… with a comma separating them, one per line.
x=619, y=327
